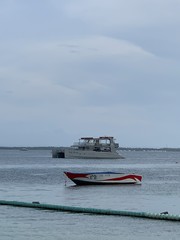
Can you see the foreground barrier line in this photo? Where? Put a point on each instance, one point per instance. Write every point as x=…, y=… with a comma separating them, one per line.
x=72, y=209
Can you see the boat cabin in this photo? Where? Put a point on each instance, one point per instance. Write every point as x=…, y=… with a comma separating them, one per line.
x=104, y=144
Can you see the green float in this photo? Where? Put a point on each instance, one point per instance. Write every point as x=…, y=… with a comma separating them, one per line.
x=37, y=205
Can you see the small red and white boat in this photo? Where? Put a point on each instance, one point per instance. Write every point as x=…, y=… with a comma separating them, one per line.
x=96, y=178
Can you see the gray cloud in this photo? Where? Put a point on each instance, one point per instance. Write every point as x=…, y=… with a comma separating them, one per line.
x=69, y=69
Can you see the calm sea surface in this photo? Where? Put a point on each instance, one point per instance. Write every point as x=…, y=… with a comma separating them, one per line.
x=34, y=176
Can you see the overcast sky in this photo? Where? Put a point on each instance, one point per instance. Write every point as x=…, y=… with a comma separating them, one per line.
x=75, y=68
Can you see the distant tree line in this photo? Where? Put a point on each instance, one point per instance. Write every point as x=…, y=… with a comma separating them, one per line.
x=121, y=148
x=149, y=149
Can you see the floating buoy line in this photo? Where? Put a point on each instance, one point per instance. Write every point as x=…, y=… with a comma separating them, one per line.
x=158, y=216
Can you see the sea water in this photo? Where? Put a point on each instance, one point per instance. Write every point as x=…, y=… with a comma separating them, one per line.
x=34, y=175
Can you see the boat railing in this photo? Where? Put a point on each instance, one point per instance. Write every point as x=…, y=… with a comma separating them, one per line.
x=83, y=144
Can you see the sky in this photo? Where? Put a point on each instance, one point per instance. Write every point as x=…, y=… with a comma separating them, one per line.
x=71, y=69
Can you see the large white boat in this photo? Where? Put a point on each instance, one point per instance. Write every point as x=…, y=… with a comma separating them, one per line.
x=90, y=148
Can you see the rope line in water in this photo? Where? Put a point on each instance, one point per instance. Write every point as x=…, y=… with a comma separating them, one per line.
x=72, y=209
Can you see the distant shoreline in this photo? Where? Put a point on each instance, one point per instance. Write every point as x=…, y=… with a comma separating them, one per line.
x=27, y=148
x=150, y=149
x=121, y=148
